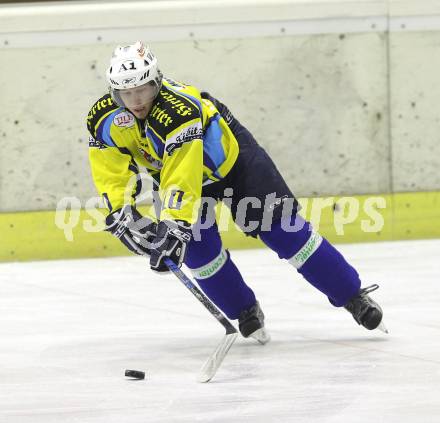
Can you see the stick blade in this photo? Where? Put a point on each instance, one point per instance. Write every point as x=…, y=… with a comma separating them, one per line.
x=209, y=369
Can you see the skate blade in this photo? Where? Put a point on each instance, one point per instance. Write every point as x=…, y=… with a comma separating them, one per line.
x=261, y=335
x=382, y=327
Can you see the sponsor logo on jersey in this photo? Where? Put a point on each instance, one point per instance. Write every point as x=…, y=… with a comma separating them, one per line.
x=189, y=134
x=95, y=143
x=150, y=159
x=178, y=105
x=160, y=115
x=100, y=105
x=124, y=119
x=102, y=108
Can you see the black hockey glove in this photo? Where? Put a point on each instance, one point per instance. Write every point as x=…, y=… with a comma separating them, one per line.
x=135, y=231
x=171, y=241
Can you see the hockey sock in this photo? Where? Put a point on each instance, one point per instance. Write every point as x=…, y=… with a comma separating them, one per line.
x=217, y=275
x=321, y=264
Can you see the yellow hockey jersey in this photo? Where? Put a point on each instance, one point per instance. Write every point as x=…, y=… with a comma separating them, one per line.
x=183, y=143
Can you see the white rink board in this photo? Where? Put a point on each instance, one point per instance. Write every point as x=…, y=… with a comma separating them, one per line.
x=69, y=329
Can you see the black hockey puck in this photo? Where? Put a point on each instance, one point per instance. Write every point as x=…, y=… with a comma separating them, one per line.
x=135, y=374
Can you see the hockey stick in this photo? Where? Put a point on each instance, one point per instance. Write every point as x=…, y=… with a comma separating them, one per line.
x=214, y=361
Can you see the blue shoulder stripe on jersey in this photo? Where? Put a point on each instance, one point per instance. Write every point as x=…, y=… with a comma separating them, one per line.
x=157, y=142
x=212, y=142
x=104, y=129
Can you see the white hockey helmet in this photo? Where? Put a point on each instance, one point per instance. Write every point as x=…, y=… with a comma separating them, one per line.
x=132, y=66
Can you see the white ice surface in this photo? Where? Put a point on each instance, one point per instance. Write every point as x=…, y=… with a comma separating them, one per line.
x=69, y=329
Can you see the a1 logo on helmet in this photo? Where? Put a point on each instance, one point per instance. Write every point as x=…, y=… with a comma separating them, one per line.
x=133, y=66
x=127, y=66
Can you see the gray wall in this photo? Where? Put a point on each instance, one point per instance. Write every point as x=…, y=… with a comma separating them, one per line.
x=415, y=110
x=349, y=112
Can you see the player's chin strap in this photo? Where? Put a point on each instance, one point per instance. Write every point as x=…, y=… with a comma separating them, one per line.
x=215, y=359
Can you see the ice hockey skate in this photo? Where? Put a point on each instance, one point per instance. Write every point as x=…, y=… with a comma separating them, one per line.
x=365, y=310
x=251, y=324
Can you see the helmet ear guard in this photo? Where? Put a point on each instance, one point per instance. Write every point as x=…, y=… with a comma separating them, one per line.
x=130, y=67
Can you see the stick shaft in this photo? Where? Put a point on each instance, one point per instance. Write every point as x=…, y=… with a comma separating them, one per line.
x=201, y=297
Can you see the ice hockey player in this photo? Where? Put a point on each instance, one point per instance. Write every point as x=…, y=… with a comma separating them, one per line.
x=193, y=148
